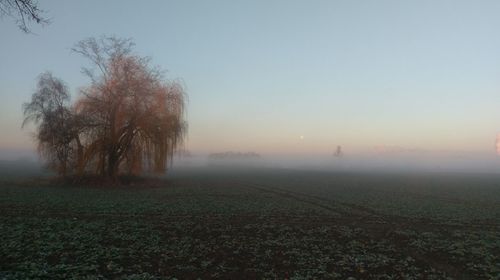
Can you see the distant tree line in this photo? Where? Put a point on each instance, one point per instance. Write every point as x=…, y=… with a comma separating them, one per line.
x=234, y=155
x=128, y=120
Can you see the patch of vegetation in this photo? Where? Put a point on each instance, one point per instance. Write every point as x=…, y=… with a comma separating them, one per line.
x=251, y=224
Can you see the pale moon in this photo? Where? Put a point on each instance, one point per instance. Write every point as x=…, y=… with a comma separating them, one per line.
x=301, y=137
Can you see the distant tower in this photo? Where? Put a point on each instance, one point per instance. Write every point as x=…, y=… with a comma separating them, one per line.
x=338, y=152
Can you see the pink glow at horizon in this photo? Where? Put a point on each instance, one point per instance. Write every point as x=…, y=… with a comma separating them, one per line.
x=498, y=144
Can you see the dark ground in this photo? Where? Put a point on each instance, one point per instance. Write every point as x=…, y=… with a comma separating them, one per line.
x=255, y=223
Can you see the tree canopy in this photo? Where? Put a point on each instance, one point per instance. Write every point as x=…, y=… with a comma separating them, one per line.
x=128, y=120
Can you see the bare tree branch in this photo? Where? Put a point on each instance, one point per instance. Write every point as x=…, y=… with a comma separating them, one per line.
x=23, y=12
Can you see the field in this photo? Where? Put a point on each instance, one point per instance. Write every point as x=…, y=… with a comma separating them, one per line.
x=254, y=223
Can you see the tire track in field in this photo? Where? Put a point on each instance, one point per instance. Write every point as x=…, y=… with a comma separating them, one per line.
x=387, y=226
x=361, y=212
x=355, y=211
x=295, y=196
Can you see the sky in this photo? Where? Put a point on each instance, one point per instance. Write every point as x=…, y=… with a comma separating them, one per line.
x=287, y=77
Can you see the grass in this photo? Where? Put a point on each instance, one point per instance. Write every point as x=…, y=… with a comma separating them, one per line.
x=258, y=223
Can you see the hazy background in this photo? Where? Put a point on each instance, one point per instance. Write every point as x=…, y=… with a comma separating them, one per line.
x=395, y=83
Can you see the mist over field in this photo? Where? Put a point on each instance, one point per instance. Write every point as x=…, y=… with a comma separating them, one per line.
x=426, y=162
x=373, y=161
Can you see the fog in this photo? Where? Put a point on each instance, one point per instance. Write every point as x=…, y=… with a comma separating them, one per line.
x=374, y=161
x=18, y=155
x=404, y=162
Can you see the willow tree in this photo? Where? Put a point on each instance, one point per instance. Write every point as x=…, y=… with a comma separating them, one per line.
x=129, y=119
x=57, y=125
x=134, y=117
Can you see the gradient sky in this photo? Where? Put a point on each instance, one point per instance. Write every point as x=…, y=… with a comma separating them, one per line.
x=261, y=74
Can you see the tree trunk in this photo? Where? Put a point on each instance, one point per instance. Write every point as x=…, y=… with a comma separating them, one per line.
x=80, y=161
x=113, y=164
